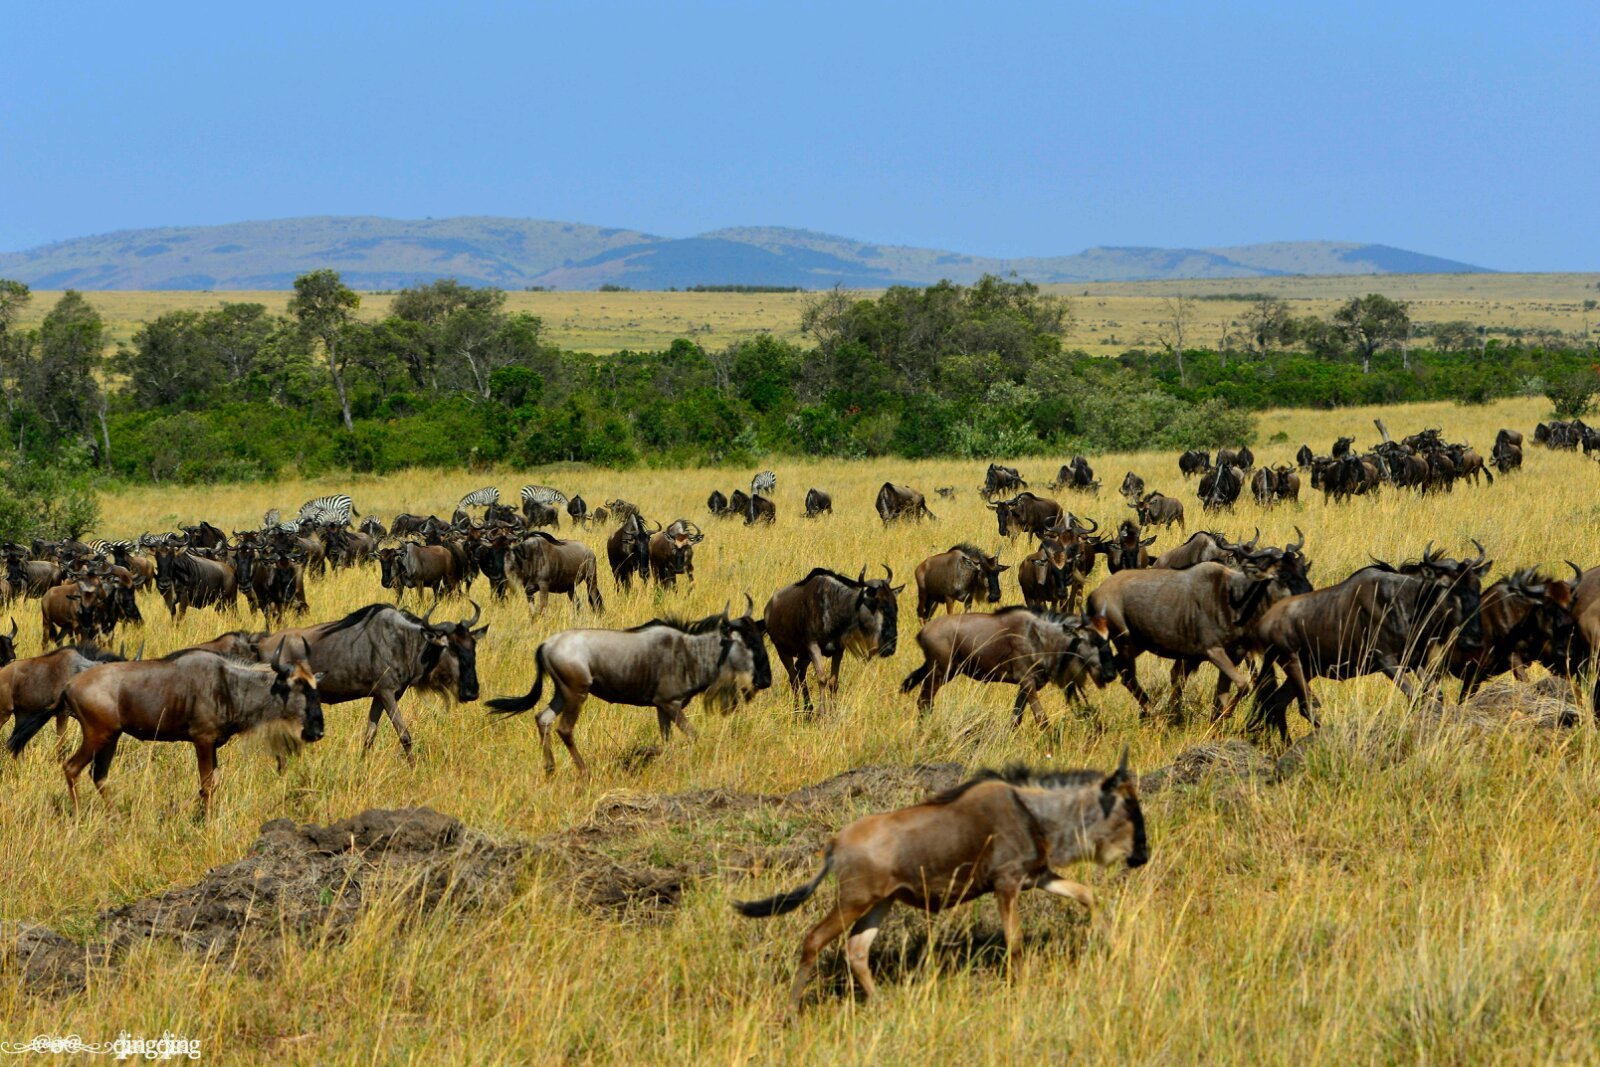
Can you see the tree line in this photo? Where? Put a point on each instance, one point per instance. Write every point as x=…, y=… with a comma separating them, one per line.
x=450, y=377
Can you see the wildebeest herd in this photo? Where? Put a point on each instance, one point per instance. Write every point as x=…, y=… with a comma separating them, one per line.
x=1248, y=609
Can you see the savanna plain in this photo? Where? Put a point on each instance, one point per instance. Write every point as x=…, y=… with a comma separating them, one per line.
x=1418, y=888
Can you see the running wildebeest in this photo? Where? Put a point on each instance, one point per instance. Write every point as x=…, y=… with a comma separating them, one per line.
x=957, y=576
x=663, y=664
x=897, y=502
x=1026, y=647
x=996, y=833
x=34, y=686
x=378, y=652
x=825, y=614
x=1381, y=618
x=198, y=697
x=1526, y=619
x=544, y=564
x=818, y=503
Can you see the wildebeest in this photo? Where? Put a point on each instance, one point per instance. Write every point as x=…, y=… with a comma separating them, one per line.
x=1206, y=546
x=1586, y=620
x=69, y=610
x=1158, y=509
x=34, y=577
x=818, y=503
x=380, y=651
x=198, y=697
x=1507, y=452
x=1194, y=615
x=1077, y=475
x=825, y=614
x=1220, y=486
x=957, y=576
x=538, y=514
x=1128, y=552
x=896, y=502
x=1303, y=457
x=1288, y=483
x=663, y=664
x=758, y=509
x=1001, y=479
x=738, y=504
x=1132, y=486
x=1381, y=618
x=578, y=510
x=1341, y=447
x=1045, y=575
x=717, y=504
x=34, y=686
x=1026, y=513
x=186, y=580
x=414, y=566
x=1026, y=647
x=1194, y=461
x=997, y=833
x=544, y=564
x=1526, y=619
x=1264, y=487
x=628, y=550
x=672, y=552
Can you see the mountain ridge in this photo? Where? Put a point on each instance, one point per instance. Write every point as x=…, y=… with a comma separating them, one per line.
x=373, y=252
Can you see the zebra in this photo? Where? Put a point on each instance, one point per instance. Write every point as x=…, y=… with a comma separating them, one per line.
x=103, y=548
x=480, y=498
x=763, y=484
x=270, y=520
x=542, y=494
x=335, y=509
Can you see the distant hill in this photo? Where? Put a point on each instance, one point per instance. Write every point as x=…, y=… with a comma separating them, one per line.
x=377, y=253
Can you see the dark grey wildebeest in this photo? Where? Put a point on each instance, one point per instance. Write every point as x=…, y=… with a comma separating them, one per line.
x=1380, y=619
x=825, y=614
x=818, y=503
x=378, y=652
x=959, y=575
x=664, y=664
x=544, y=564
x=1026, y=647
x=628, y=549
x=672, y=552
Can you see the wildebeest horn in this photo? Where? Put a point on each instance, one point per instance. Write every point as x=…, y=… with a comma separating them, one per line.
x=1481, y=553
x=657, y=529
x=1577, y=573
x=1253, y=540
x=1092, y=528
x=1298, y=545
x=749, y=605
x=277, y=658
x=888, y=574
x=139, y=655
x=477, y=612
x=863, y=575
x=13, y=627
x=427, y=619
x=1427, y=553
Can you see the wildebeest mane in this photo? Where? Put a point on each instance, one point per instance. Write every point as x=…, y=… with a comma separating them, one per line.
x=91, y=651
x=967, y=548
x=688, y=626
x=1019, y=774
x=823, y=572
x=359, y=616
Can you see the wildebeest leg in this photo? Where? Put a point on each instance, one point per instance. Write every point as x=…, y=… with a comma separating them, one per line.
x=664, y=723
x=94, y=740
x=1181, y=669
x=833, y=674
x=860, y=943
x=1297, y=676
x=1061, y=887
x=1005, y=898
x=832, y=925
x=1127, y=666
x=1219, y=657
x=387, y=701
x=565, y=724
x=791, y=673
x=814, y=652
x=682, y=721
x=205, y=754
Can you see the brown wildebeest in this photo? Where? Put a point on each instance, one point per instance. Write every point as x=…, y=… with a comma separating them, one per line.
x=33, y=577
x=1026, y=647
x=1077, y=475
x=1046, y=575
x=664, y=664
x=1586, y=619
x=1132, y=486
x=198, y=697
x=758, y=510
x=823, y=615
x=1001, y=479
x=1026, y=513
x=1207, y=546
x=544, y=564
x=957, y=576
x=34, y=686
x=1158, y=509
x=897, y=502
x=242, y=646
x=628, y=549
x=1128, y=552
x=998, y=833
x=419, y=567
x=672, y=552
x=1194, y=615
x=1526, y=619
x=69, y=610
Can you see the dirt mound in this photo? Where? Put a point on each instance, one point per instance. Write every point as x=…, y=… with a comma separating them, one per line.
x=304, y=879
x=635, y=854
x=1232, y=758
x=1545, y=704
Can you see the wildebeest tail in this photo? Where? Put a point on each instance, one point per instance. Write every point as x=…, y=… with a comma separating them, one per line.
x=784, y=903
x=915, y=678
x=26, y=726
x=517, y=705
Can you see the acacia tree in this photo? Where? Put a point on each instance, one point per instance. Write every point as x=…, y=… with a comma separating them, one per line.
x=1173, y=330
x=1266, y=323
x=1370, y=323
x=323, y=306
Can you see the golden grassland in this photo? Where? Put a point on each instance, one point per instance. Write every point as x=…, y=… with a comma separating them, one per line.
x=1411, y=896
x=1110, y=315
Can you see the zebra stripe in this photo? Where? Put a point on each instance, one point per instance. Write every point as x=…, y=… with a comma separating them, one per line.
x=542, y=494
x=336, y=508
x=480, y=498
x=764, y=483
x=270, y=519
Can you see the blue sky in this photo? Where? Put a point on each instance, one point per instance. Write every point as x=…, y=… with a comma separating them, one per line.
x=1464, y=130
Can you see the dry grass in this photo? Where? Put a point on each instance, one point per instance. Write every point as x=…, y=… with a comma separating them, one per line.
x=1112, y=316
x=1418, y=891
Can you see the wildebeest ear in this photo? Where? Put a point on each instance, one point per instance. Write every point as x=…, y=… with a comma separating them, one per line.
x=1002, y=567
x=897, y=589
x=480, y=631
x=1097, y=623
x=1117, y=777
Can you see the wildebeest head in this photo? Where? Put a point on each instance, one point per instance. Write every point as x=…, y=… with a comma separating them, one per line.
x=1289, y=566
x=452, y=654
x=987, y=564
x=743, y=656
x=295, y=687
x=877, y=616
x=1460, y=580
x=8, y=645
x=388, y=561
